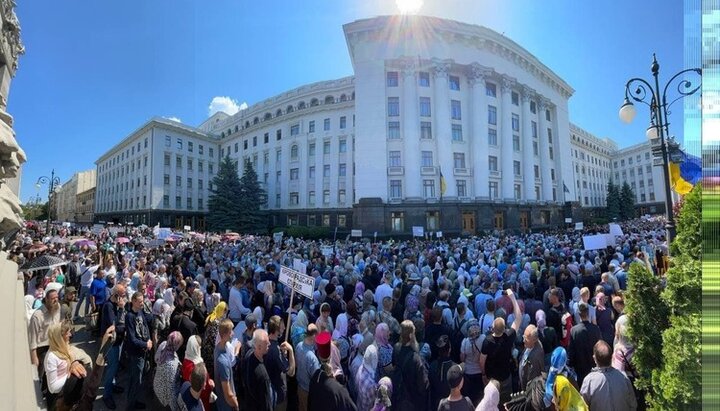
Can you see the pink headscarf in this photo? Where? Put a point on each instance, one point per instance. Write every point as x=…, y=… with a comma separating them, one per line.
x=359, y=289
x=540, y=320
x=335, y=365
x=382, y=334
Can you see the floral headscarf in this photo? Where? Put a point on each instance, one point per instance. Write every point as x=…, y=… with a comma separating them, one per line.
x=168, y=349
x=382, y=334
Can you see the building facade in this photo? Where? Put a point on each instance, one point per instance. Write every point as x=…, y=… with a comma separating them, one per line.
x=85, y=207
x=444, y=125
x=637, y=166
x=160, y=173
x=66, y=195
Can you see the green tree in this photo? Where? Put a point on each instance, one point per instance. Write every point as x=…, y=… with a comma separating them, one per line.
x=35, y=211
x=627, y=202
x=679, y=380
x=224, y=202
x=252, y=198
x=647, y=318
x=613, y=201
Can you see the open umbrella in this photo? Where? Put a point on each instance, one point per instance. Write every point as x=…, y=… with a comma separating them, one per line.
x=84, y=242
x=44, y=262
x=59, y=240
x=122, y=240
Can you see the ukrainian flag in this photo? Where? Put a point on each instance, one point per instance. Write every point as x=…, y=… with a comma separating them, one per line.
x=685, y=174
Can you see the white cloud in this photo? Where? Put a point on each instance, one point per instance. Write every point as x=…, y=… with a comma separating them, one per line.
x=226, y=105
x=173, y=119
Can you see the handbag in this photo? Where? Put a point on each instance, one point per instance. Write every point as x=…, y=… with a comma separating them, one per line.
x=92, y=322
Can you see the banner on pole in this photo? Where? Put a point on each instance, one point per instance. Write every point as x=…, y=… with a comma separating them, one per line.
x=438, y=234
x=568, y=220
x=418, y=231
x=356, y=233
x=326, y=250
x=301, y=283
x=610, y=238
x=277, y=237
x=579, y=226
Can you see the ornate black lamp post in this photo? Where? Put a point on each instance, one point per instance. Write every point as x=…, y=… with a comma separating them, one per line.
x=53, y=183
x=659, y=124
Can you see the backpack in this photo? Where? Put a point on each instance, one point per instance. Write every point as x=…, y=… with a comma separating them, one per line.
x=456, y=339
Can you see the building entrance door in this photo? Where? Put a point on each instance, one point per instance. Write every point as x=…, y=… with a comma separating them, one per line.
x=499, y=220
x=468, y=223
x=178, y=222
x=524, y=220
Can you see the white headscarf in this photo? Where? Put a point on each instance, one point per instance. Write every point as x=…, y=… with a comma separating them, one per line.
x=340, y=327
x=370, y=359
x=192, y=351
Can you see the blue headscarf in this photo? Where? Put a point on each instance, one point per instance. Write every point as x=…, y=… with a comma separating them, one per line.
x=558, y=360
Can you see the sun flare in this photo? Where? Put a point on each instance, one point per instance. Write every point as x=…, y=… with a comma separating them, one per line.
x=409, y=6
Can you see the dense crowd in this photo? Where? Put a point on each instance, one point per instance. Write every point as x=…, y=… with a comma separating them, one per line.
x=200, y=322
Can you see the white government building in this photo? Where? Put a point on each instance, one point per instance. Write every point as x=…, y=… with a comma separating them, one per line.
x=430, y=100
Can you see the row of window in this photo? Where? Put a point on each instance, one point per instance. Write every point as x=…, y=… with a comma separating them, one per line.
x=392, y=80
x=294, y=220
x=461, y=186
x=648, y=171
x=592, y=159
x=190, y=146
x=189, y=163
x=630, y=160
x=118, y=158
x=295, y=197
x=126, y=204
x=189, y=182
x=178, y=202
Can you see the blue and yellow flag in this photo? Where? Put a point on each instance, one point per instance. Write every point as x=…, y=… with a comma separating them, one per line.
x=685, y=174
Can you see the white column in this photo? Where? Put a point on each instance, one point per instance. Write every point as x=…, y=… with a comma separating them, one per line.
x=505, y=136
x=479, y=141
x=411, y=132
x=545, y=162
x=441, y=123
x=527, y=144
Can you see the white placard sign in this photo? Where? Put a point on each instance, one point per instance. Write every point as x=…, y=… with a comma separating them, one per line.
x=568, y=220
x=438, y=234
x=164, y=233
x=186, y=228
x=579, y=226
x=301, y=283
x=418, y=231
x=615, y=229
x=97, y=229
x=356, y=233
x=326, y=250
x=594, y=242
x=610, y=238
x=277, y=237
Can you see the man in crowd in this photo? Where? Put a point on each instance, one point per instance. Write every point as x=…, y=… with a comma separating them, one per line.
x=98, y=291
x=496, y=353
x=532, y=359
x=86, y=278
x=189, y=397
x=279, y=362
x=40, y=322
x=223, y=363
x=607, y=388
x=138, y=343
x=257, y=393
x=437, y=374
x=237, y=310
x=307, y=364
x=583, y=338
x=113, y=314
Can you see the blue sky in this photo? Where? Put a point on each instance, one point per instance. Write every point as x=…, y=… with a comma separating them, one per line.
x=94, y=71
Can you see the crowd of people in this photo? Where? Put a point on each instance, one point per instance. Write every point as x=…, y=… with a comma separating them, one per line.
x=197, y=322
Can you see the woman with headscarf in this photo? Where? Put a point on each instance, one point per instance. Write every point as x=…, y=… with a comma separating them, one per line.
x=365, y=380
x=359, y=294
x=491, y=397
x=383, y=395
x=299, y=327
x=324, y=322
x=368, y=302
x=424, y=290
x=64, y=370
x=342, y=341
x=604, y=317
x=547, y=335
x=161, y=320
x=560, y=386
x=166, y=382
x=385, y=350
x=192, y=358
x=212, y=325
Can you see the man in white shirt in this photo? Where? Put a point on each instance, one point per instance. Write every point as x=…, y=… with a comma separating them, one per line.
x=87, y=273
x=384, y=290
x=236, y=310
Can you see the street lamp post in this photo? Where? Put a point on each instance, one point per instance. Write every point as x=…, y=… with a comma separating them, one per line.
x=53, y=183
x=659, y=125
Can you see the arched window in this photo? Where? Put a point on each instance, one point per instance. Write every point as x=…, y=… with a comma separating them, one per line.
x=314, y=102
x=256, y=120
x=268, y=116
x=247, y=124
x=329, y=100
x=343, y=97
x=301, y=105
x=290, y=109
x=278, y=113
x=229, y=131
x=222, y=135
x=236, y=128
x=294, y=151
x=353, y=95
